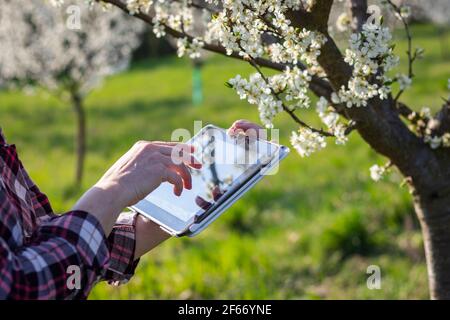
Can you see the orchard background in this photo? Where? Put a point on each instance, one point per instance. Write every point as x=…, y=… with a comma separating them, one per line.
x=311, y=231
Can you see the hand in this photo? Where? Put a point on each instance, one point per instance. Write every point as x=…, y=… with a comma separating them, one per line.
x=146, y=165
x=148, y=233
x=248, y=128
x=137, y=173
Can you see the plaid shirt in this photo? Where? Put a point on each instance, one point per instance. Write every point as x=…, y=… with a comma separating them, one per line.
x=41, y=252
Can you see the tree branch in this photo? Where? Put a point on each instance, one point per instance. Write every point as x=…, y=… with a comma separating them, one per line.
x=285, y=108
x=440, y=124
x=319, y=86
x=411, y=57
x=315, y=19
x=379, y=123
x=358, y=10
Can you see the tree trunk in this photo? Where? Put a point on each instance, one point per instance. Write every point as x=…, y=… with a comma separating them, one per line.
x=434, y=215
x=358, y=10
x=80, y=137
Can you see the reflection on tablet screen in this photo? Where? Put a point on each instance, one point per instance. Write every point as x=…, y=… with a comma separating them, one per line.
x=227, y=163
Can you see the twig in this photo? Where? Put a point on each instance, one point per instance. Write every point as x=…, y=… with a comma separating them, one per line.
x=285, y=108
x=318, y=86
x=411, y=57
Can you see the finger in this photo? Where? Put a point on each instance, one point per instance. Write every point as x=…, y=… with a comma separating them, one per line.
x=244, y=125
x=178, y=155
x=180, y=169
x=217, y=193
x=173, y=178
x=184, y=146
x=202, y=203
x=247, y=127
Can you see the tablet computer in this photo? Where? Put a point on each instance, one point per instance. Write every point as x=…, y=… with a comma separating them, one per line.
x=231, y=165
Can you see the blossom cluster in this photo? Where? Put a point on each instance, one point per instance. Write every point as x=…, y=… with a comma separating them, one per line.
x=189, y=48
x=306, y=141
x=371, y=56
x=420, y=124
x=343, y=22
x=331, y=119
x=257, y=91
x=288, y=89
x=238, y=26
x=404, y=12
x=255, y=29
x=241, y=27
x=436, y=141
x=377, y=172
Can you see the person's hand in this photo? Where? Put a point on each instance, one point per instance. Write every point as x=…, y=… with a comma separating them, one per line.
x=136, y=174
x=148, y=164
x=148, y=233
x=248, y=128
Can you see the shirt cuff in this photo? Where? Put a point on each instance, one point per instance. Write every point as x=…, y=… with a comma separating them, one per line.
x=122, y=244
x=85, y=232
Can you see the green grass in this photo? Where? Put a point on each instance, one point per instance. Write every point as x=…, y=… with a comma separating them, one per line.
x=309, y=232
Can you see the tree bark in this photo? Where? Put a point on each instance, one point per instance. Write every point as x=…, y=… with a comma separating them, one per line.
x=358, y=10
x=434, y=216
x=80, y=137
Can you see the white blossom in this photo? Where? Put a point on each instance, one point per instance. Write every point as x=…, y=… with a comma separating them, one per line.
x=322, y=105
x=189, y=48
x=377, y=172
x=56, y=3
x=404, y=81
x=331, y=119
x=434, y=141
x=305, y=141
x=258, y=92
x=371, y=55
x=405, y=12
x=343, y=22
x=240, y=27
x=446, y=140
x=425, y=112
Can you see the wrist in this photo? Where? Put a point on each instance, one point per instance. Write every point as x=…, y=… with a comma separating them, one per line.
x=113, y=193
x=104, y=202
x=148, y=235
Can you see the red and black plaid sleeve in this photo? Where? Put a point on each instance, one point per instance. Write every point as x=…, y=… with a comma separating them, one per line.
x=42, y=254
x=122, y=243
x=42, y=269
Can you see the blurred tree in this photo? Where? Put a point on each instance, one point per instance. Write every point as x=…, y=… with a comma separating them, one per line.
x=354, y=85
x=438, y=13
x=153, y=47
x=66, y=51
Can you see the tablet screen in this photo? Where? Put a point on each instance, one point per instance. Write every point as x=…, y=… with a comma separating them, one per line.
x=227, y=163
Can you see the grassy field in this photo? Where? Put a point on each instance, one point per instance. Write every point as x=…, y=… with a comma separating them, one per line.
x=308, y=232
